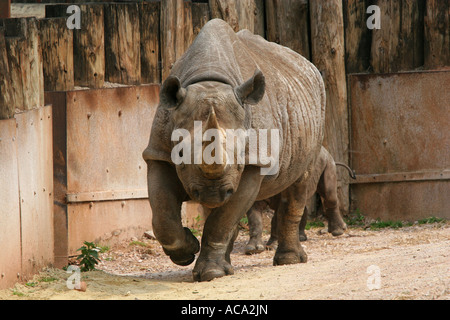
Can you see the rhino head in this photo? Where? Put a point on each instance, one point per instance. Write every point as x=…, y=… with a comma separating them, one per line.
x=202, y=114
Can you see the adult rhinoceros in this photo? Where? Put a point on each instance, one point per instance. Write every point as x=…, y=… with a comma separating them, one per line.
x=228, y=80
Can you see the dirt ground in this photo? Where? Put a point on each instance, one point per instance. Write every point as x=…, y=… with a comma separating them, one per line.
x=413, y=263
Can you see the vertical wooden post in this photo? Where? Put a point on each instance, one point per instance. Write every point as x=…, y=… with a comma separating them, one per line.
x=25, y=62
x=5, y=9
x=6, y=105
x=358, y=37
x=57, y=54
x=288, y=24
x=122, y=43
x=88, y=44
x=200, y=16
x=150, y=51
x=176, y=32
x=225, y=10
x=398, y=44
x=437, y=34
x=328, y=51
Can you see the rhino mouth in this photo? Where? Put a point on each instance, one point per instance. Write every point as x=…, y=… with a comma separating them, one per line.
x=212, y=197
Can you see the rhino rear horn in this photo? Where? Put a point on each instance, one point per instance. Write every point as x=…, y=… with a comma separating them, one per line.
x=252, y=90
x=172, y=93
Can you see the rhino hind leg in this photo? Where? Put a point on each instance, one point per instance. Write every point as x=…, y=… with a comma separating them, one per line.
x=327, y=189
x=255, y=244
x=290, y=212
x=272, y=243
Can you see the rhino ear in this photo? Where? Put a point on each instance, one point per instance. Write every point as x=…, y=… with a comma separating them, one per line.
x=252, y=90
x=172, y=94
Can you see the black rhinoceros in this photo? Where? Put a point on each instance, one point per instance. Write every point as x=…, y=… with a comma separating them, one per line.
x=233, y=81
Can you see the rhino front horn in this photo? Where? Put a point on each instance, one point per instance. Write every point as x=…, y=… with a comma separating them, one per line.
x=214, y=158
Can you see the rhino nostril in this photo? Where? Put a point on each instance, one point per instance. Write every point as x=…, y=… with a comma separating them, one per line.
x=195, y=193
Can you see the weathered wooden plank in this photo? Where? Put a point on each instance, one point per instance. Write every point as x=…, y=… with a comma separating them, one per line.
x=5, y=9
x=327, y=39
x=150, y=51
x=122, y=43
x=25, y=62
x=358, y=37
x=57, y=54
x=200, y=16
x=437, y=34
x=6, y=103
x=176, y=32
x=287, y=23
x=88, y=43
x=398, y=44
x=225, y=10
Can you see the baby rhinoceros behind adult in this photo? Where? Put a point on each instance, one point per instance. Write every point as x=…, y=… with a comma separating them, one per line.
x=238, y=81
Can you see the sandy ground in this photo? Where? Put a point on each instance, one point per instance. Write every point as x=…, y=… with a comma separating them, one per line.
x=413, y=263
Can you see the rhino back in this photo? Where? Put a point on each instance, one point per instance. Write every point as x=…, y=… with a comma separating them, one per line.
x=294, y=103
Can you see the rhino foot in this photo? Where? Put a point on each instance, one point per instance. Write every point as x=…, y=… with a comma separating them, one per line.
x=290, y=257
x=337, y=226
x=208, y=270
x=185, y=254
x=272, y=244
x=254, y=246
x=302, y=236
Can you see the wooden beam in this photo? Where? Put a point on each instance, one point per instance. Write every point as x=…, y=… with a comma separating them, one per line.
x=398, y=44
x=6, y=96
x=57, y=54
x=122, y=43
x=5, y=9
x=25, y=62
x=358, y=37
x=176, y=32
x=88, y=43
x=437, y=34
x=150, y=50
x=328, y=55
x=287, y=23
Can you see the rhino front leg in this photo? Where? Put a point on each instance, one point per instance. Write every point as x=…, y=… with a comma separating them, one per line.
x=166, y=195
x=289, y=250
x=220, y=229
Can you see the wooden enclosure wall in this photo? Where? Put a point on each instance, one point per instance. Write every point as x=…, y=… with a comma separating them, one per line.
x=332, y=34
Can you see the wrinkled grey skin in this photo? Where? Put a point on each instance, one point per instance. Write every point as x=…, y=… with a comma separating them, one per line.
x=323, y=180
x=233, y=80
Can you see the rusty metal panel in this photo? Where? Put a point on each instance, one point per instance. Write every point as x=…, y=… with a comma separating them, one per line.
x=34, y=154
x=10, y=253
x=107, y=221
x=400, y=140
x=100, y=176
x=107, y=130
x=403, y=200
